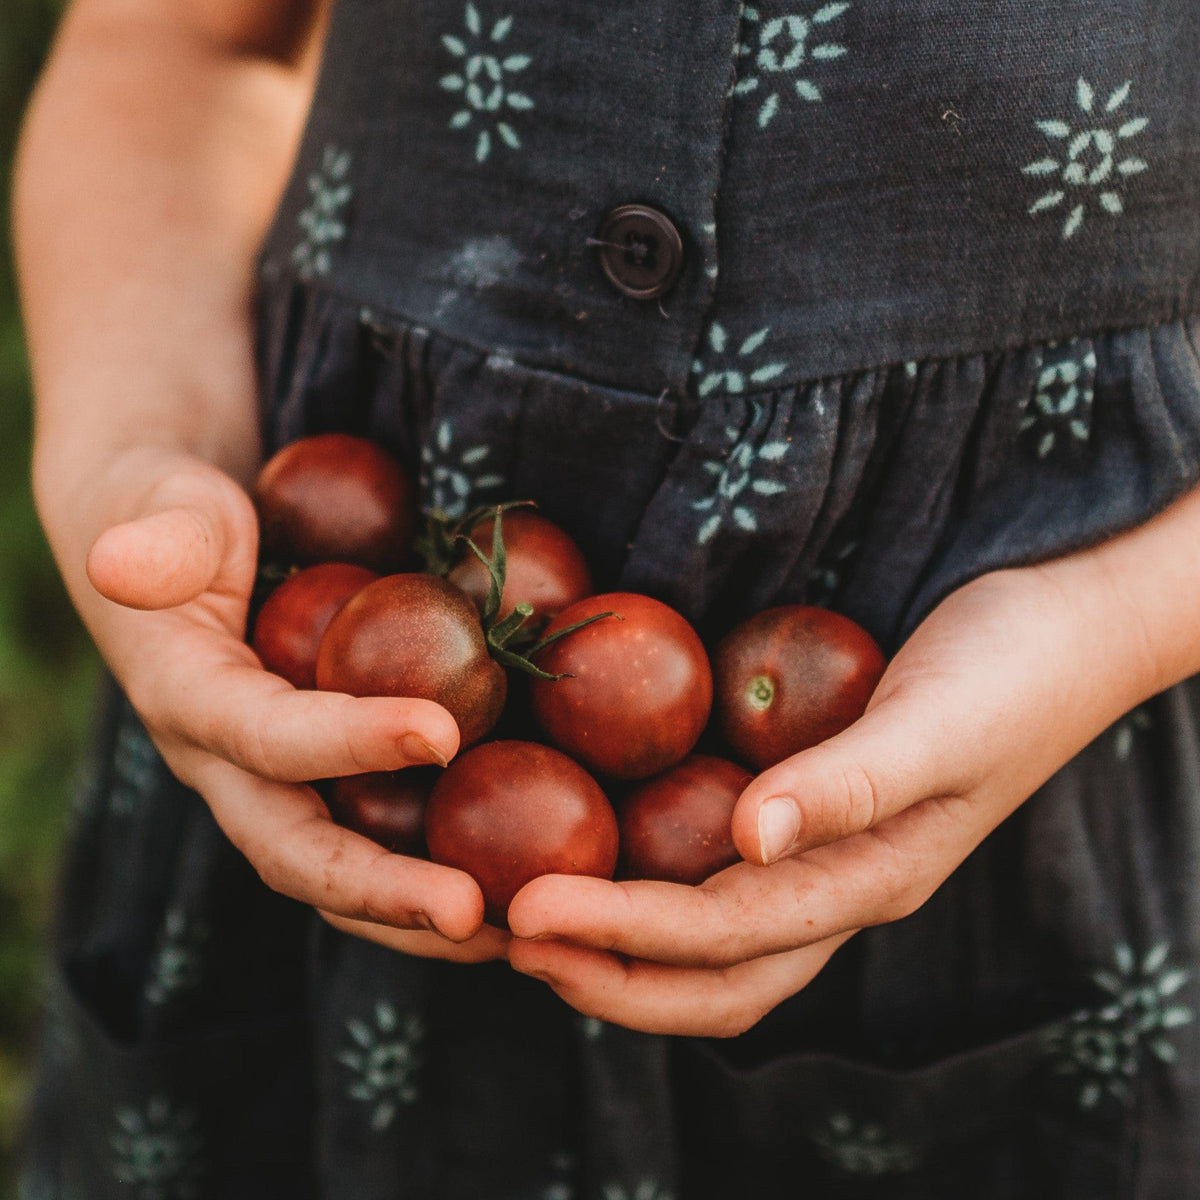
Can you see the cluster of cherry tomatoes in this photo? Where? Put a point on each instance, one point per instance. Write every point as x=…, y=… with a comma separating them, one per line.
x=584, y=699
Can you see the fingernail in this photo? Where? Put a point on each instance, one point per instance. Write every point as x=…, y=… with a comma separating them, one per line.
x=423, y=921
x=417, y=750
x=778, y=828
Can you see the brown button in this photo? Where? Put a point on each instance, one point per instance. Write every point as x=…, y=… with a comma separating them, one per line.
x=640, y=250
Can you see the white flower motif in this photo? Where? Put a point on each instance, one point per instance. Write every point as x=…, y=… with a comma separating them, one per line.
x=778, y=49
x=862, y=1149
x=323, y=222
x=480, y=79
x=591, y=1027
x=158, y=1152
x=725, y=372
x=644, y=1189
x=136, y=764
x=1125, y=731
x=384, y=1059
x=828, y=572
x=1105, y=1047
x=449, y=481
x=562, y=1167
x=736, y=486
x=1089, y=166
x=1061, y=404
x=179, y=964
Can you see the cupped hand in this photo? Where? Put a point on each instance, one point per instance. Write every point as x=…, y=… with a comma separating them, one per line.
x=177, y=566
x=1003, y=683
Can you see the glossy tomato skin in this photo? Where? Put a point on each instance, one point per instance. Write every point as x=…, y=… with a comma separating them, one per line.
x=386, y=806
x=415, y=635
x=791, y=677
x=507, y=812
x=336, y=498
x=545, y=568
x=639, y=690
x=293, y=619
x=676, y=826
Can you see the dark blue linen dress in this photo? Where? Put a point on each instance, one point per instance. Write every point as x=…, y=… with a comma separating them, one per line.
x=935, y=313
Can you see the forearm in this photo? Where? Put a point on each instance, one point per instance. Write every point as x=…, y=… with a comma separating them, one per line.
x=152, y=156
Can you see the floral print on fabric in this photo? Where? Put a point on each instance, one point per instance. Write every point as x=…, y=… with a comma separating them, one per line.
x=778, y=55
x=158, y=1151
x=643, y=1189
x=864, y=1149
x=722, y=367
x=452, y=479
x=1127, y=730
x=323, y=222
x=179, y=963
x=481, y=78
x=1059, y=411
x=1085, y=168
x=737, y=492
x=383, y=1061
x=1105, y=1048
x=137, y=767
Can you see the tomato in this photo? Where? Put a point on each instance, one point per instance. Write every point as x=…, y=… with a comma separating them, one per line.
x=639, y=689
x=386, y=806
x=415, y=635
x=294, y=617
x=336, y=498
x=791, y=677
x=507, y=812
x=675, y=827
x=544, y=569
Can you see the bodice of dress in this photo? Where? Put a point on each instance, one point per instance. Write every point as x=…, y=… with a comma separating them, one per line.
x=855, y=183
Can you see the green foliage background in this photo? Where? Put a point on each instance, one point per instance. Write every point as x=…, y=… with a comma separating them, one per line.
x=48, y=669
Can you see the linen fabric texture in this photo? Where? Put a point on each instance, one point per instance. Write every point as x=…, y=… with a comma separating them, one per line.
x=938, y=316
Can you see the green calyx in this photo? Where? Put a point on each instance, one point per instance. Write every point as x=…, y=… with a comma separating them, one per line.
x=512, y=641
x=760, y=693
x=442, y=543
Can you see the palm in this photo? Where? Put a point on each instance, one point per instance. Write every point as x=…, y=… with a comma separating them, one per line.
x=181, y=570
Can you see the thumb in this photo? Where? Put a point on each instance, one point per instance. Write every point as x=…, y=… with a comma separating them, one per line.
x=192, y=536
x=893, y=757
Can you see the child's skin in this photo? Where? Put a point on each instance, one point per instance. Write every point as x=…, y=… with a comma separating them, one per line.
x=154, y=152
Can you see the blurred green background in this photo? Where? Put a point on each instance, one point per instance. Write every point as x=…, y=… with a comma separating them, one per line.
x=48, y=669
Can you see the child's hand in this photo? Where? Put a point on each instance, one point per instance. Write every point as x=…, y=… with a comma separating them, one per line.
x=183, y=551
x=1002, y=684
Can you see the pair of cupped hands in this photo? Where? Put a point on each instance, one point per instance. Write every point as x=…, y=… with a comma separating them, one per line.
x=1002, y=683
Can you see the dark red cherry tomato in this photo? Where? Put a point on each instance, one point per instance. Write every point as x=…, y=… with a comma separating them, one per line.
x=296, y=614
x=386, y=806
x=544, y=567
x=336, y=498
x=415, y=635
x=507, y=812
x=675, y=827
x=639, y=689
x=791, y=677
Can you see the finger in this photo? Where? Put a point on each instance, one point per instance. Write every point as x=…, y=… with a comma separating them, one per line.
x=671, y=1000
x=159, y=561
x=194, y=530
x=489, y=943
x=747, y=911
x=209, y=692
x=903, y=751
x=286, y=833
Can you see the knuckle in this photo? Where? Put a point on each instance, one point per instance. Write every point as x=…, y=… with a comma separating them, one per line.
x=860, y=799
x=270, y=870
x=736, y=1021
x=902, y=900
